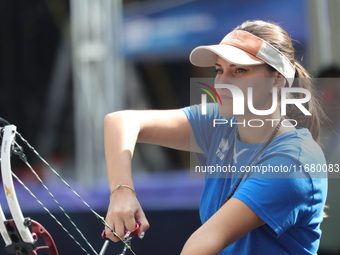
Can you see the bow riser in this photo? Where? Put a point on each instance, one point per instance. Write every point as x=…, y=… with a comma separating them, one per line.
x=18, y=246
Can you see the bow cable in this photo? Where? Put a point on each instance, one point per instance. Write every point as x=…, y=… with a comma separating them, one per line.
x=55, y=218
x=18, y=150
x=98, y=216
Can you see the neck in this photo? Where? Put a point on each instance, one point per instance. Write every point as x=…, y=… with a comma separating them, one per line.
x=257, y=129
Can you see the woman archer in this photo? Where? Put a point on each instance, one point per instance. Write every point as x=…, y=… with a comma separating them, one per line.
x=241, y=213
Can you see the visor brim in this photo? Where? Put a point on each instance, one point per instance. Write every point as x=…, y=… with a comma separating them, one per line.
x=204, y=56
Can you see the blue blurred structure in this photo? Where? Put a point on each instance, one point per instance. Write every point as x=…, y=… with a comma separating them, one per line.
x=175, y=30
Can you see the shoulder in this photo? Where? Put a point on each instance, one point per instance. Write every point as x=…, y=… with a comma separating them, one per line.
x=295, y=139
x=195, y=112
x=295, y=147
x=294, y=162
x=211, y=119
x=208, y=129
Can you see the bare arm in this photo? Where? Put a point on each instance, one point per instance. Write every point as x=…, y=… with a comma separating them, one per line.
x=234, y=220
x=122, y=130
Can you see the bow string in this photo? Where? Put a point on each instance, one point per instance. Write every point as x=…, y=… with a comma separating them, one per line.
x=16, y=233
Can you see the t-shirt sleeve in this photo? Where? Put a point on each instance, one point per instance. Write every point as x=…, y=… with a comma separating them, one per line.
x=202, y=125
x=279, y=202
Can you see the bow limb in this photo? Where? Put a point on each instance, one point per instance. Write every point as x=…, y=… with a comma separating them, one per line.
x=6, y=148
x=16, y=233
x=3, y=228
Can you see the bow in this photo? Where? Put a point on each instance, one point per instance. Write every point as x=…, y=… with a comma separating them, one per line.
x=18, y=237
x=15, y=232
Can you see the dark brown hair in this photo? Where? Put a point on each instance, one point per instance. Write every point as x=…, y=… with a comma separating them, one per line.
x=273, y=34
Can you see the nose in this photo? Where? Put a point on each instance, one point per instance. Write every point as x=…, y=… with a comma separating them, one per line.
x=225, y=79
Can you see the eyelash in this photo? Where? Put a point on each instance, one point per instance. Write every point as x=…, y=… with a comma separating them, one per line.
x=242, y=69
x=219, y=71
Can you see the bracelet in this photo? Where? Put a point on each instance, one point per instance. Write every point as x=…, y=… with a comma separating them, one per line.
x=122, y=185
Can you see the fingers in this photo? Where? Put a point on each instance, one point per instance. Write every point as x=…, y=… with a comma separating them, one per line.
x=123, y=213
x=144, y=226
x=120, y=222
x=124, y=221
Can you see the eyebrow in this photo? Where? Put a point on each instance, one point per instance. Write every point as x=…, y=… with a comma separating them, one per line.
x=217, y=64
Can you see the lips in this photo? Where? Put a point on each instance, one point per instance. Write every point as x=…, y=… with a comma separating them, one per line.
x=225, y=97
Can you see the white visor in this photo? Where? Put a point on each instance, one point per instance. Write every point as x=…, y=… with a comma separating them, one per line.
x=242, y=48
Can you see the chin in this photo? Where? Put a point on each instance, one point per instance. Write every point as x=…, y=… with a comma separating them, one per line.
x=226, y=113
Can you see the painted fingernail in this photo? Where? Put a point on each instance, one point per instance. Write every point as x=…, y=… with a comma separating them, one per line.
x=141, y=236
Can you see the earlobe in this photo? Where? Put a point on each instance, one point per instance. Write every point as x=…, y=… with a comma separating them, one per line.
x=280, y=81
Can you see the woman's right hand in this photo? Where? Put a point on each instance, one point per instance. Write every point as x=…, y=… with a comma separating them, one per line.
x=122, y=130
x=123, y=213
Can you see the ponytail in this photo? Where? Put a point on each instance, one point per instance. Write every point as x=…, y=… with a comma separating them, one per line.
x=313, y=121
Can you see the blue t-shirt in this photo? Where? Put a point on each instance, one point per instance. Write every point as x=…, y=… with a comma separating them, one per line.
x=286, y=186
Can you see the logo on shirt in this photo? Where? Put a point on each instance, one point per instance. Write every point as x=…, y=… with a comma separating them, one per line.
x=224, y=146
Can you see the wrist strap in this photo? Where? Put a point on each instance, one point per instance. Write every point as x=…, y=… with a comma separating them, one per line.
x=122, y=185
